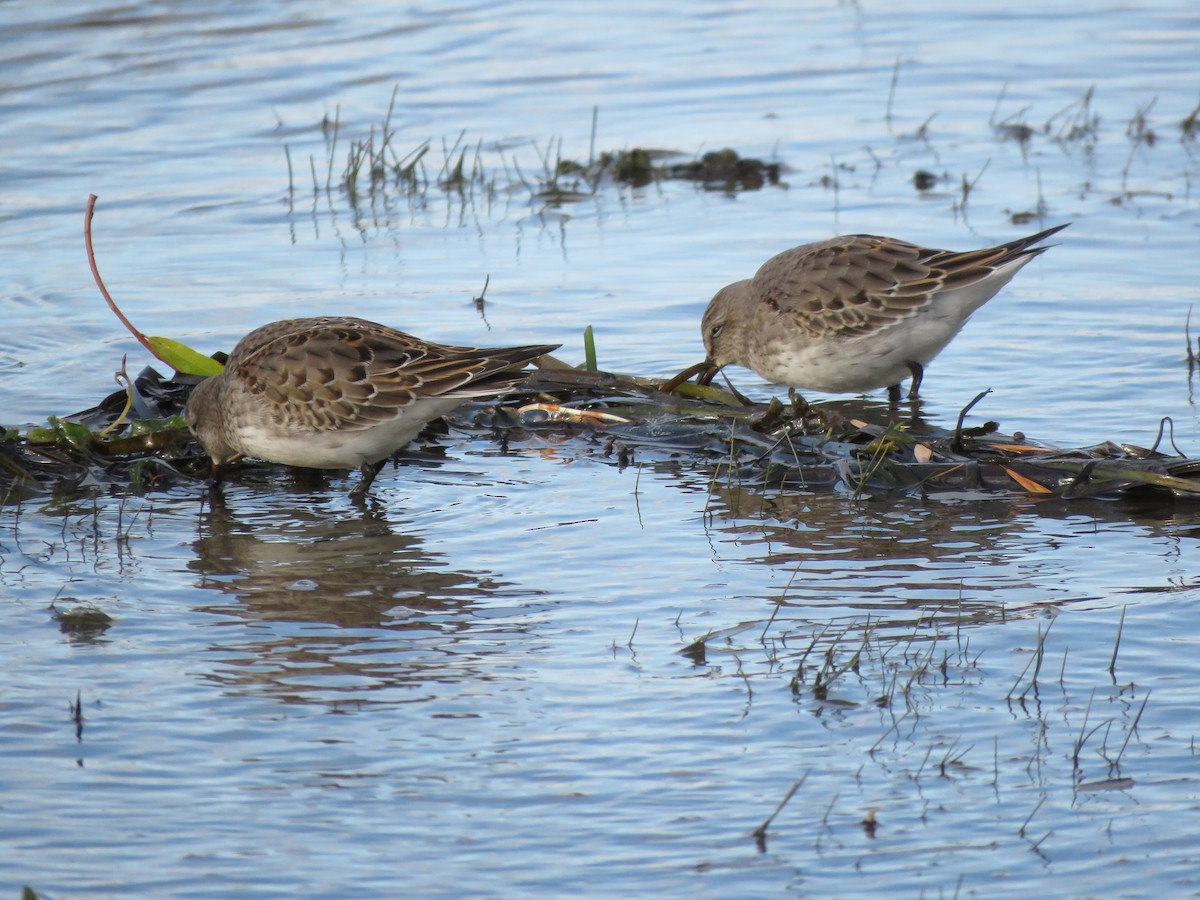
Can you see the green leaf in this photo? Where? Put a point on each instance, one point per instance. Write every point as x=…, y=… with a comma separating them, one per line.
x=183, y=358
x=589, y=349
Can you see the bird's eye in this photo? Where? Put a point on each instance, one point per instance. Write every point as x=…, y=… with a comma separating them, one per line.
x=715, y=330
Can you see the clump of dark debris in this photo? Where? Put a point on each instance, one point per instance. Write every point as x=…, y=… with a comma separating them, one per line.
x=725, y=170
x=863, y=448
x=151, y=448
x=721, y=170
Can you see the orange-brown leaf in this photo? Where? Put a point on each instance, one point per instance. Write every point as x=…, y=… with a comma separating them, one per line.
x=1028, y=483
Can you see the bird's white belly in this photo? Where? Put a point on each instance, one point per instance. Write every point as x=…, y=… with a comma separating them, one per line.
x=855, y=365
x=342, y=448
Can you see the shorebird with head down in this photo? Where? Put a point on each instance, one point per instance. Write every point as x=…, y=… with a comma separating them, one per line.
x=854, y=313
x=336, y=392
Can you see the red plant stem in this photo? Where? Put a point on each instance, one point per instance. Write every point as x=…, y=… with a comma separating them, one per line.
x=87, y=241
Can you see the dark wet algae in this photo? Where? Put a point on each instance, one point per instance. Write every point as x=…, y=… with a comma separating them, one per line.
x=863, y=448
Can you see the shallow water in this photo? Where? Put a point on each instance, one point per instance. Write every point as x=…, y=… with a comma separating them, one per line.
x=542, y=670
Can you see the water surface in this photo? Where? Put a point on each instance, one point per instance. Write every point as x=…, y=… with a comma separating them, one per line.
x=540, y=670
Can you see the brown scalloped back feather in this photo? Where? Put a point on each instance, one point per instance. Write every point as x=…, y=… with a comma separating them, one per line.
x=340, y=372
x=858, y=284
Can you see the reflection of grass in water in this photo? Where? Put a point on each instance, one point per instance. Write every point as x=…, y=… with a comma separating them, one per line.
x=909, y=670
x=1076, y=127
x=374, y=169
x=1190, y=126
x=1075, y=123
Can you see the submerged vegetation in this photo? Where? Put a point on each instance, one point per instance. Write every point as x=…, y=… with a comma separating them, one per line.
x=862, y=448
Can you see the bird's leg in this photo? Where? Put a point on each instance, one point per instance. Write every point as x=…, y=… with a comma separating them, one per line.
x=219, y=468
x=918, y=374
x=893, y=394
x=369, y=471
x=214, y=490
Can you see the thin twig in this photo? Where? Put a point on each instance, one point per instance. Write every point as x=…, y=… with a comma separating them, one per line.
x=1082, y=728
x=1112, y=663
x=957, y=443
x=760, y=833
x=1028, y=818
x=774, y=613
x=337, y=117
x=592, y=141
x=1132, y=728
x=895, y=725
x=887, y=117
x=122, y=378
x=287, y=152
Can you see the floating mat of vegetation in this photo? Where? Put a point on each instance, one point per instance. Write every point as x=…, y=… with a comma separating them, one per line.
x=374, y=167
x=151, y=447
x=822, y=447
x=833, y=445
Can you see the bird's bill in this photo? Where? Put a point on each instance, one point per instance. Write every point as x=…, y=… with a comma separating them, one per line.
x=706, y=370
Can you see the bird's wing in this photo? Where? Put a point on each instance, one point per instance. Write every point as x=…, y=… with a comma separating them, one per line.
x=859, y=285
x=346, y=374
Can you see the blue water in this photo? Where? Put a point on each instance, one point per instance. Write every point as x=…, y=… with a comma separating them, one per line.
x=477, y=685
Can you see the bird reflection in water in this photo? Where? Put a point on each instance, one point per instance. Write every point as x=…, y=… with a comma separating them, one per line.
x=341, y=602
